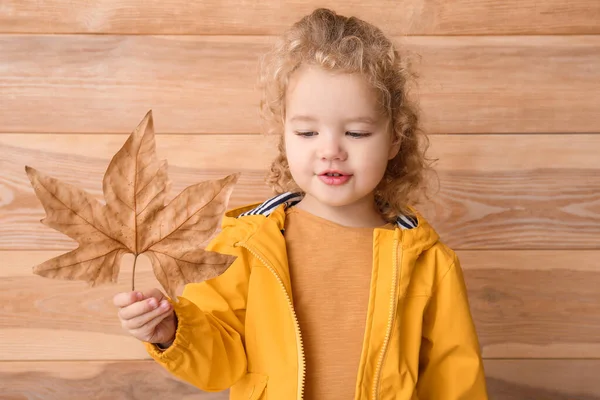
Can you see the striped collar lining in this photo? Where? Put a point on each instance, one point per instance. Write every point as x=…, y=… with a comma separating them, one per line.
x=290, y=199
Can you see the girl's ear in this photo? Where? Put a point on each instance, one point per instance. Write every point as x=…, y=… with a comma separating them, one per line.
x=395, y=141
x=394, y=148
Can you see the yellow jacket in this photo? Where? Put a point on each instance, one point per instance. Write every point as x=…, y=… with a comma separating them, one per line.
x=240, y=330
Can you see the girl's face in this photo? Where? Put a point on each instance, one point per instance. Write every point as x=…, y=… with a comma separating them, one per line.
x=337, y=141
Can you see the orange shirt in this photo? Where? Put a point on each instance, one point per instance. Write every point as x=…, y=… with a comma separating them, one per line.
x=330, y=267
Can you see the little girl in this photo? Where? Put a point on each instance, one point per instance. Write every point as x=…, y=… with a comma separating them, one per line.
x=340, y=289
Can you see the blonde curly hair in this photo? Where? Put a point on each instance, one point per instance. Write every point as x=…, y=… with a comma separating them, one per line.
x=351, y=45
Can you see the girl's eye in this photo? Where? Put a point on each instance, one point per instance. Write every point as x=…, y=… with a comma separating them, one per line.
x=358, y=134
x=351, y=134
x=306, y=134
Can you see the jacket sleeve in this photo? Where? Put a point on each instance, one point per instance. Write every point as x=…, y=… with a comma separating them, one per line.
x=208, y=350
x=450, y=360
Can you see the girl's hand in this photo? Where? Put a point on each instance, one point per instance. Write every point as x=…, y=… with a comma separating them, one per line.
x=147, y=316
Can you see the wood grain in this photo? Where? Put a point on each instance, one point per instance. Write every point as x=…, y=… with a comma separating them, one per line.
x=191, y=159
x=526, y=304
x=199, y=84
x=543, y=379
x=414, y=17
x=494, y=191
x=131, y=380
x=544, y=209
x=535, y=304
x=506, y=379
x=66, y=320
x=516, y=84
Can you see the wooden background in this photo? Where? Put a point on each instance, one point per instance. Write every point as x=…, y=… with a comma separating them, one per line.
x=510, y=92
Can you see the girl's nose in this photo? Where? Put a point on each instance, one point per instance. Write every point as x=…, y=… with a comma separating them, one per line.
x=331, y=148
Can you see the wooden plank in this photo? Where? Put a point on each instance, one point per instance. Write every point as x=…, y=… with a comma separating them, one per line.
x=506, y=379
x=509, y=84
x=495, y=190
x=525, y=304
x=211, y=159
x=95, y=380
x=534, y=304
x=108, y=83
x=196, y=84
x=542, y=209
x=543, y=379
x=68, y=320
x=412, y=17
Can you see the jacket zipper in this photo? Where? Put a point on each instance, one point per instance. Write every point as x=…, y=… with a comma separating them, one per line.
x=301, y=361
x=388, y=330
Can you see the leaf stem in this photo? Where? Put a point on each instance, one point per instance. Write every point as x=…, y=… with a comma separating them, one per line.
x=133, y=274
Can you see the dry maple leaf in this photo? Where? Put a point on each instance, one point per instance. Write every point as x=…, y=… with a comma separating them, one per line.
x=135, y=220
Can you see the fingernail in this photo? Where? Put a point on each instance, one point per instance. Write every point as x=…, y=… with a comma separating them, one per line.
x=152, y=303
x=138, y=295
x=164, y=305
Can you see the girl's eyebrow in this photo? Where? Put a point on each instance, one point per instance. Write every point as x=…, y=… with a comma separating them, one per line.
x=367, y=120
x=308, y=118
x=303, y=118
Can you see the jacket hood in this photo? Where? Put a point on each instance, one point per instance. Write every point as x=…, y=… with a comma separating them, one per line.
x=416, y=234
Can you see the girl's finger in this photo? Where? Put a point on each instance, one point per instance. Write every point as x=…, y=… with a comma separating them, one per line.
x=125, y=299
x=139, y=308
x=146, y=332
x=142, y=319
x=154, y=292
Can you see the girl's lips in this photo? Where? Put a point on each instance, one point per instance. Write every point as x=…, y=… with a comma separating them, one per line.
x=334, y=180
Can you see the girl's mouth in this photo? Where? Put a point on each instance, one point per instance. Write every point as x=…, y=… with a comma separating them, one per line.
x=334, y=178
